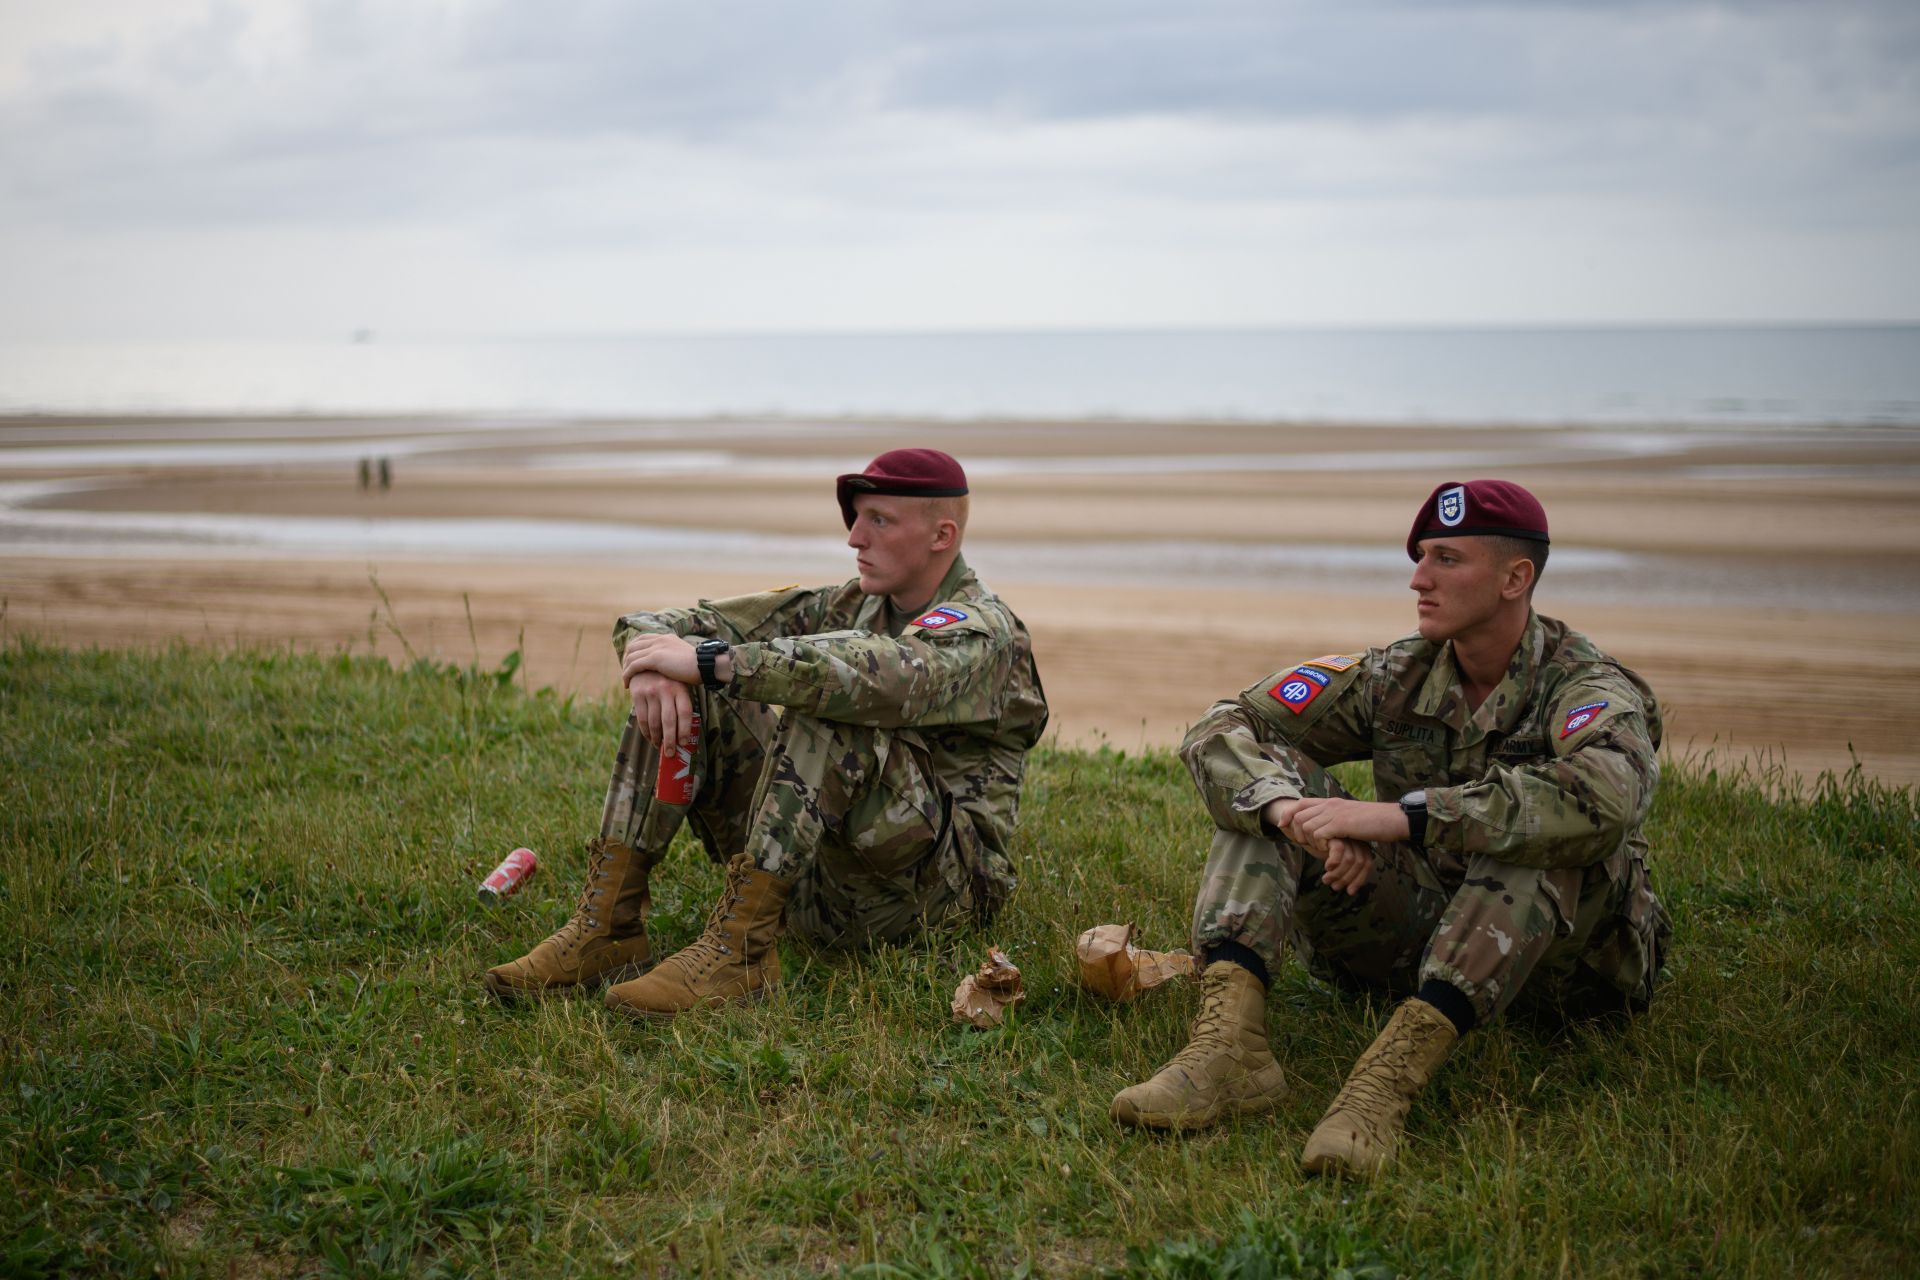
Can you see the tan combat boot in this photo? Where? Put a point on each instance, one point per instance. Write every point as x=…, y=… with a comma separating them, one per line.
x=1357, y=1136
x=735, y=959
x=1226, y=1068
x=605, y=941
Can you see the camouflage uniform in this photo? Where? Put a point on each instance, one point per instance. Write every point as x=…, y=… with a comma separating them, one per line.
x=1533, y=870
x=873, y=759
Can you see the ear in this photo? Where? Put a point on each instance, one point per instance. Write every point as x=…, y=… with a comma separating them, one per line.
x=1519, y=579
x=946, y=534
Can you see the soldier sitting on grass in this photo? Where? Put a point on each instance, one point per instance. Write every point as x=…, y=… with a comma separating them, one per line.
x=859, y=757
x=1515, y=764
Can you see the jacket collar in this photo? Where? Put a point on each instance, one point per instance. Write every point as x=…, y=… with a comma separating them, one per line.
x=1443, y=696
x=874, y=609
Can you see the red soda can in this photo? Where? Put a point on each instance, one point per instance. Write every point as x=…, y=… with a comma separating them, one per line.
x=674, y=785
x=508, y=876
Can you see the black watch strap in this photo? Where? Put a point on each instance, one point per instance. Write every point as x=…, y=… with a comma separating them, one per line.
x=705, y=654
x=1414, y=805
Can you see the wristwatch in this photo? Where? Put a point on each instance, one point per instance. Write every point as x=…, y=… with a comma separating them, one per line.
x=706, y=653
x=1414, y=805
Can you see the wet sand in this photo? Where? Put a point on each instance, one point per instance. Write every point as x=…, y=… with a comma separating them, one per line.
x=1724, y=538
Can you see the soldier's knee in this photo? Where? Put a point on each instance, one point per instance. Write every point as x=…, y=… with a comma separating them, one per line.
x=835, y=737
x=1488, y=870
x=1507, y=889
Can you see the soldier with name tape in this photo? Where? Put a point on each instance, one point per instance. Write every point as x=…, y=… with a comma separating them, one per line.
x=858, y=766
x=1504, y=859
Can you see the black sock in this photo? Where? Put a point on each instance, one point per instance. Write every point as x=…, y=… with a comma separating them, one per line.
x=1233, y=953
x=1449, y=1000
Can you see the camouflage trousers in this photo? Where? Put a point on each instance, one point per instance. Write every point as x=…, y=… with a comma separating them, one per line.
x=854, y=817
x=1579, y=939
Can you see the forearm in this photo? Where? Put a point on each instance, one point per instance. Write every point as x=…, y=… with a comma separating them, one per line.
x=871, y=680
x=664, y=622
x=737, y=619
x=1239, y=774
x=1564, y=813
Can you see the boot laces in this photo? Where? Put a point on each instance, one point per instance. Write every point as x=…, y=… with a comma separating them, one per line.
x=707, y=949
x=1210, y=1035
x=1367, y=1095
x=572, y=933
x=1370, y=1088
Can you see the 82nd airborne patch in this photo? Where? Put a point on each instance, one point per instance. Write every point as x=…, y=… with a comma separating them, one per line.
x=1580, y=717
x=1298, y=688
x=945, y=615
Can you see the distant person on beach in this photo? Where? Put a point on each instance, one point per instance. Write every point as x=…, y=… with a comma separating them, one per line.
x=858, y=765
x=1514, y=762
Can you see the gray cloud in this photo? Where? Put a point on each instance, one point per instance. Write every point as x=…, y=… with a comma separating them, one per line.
x=367, y=94
x=851, y=125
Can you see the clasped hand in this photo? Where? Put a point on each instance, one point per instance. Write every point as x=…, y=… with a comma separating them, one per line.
x=1339, y=832
x=657, y=671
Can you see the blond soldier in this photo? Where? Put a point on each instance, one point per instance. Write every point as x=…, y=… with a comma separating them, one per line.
x=1516, y=763
x=860, y=754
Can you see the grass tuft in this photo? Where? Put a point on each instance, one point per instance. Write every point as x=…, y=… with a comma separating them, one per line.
x=379, y=1212
x=1263, y=1250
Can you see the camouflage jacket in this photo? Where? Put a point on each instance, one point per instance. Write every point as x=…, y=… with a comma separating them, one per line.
x=957, y=679
x=1555, y=769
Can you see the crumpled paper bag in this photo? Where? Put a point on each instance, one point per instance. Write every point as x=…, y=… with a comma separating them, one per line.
x=1110, y=965
x=983, y=998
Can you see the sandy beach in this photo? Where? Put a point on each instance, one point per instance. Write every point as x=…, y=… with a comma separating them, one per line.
x=1766, y=582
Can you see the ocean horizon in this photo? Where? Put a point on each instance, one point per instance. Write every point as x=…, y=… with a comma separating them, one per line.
x=1681, y=375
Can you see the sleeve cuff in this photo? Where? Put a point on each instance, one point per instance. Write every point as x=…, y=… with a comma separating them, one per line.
x=748, y=661
x=625, y=628
x=1251, y=799
x=1443, y=812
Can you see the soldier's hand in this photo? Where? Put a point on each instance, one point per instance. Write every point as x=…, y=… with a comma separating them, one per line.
x=1322, y=818
x=1349, y=866
x=666, y=655
x=1278, y=814
x=662, y=708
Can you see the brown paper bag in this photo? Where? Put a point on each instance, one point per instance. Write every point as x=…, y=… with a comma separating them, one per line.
x=1110, y=965
x=983, y=998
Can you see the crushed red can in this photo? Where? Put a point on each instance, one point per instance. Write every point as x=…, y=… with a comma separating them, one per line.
x=674, y=785
x=508, y=876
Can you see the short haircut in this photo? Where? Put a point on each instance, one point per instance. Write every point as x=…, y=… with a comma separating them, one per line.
x=1507, y=548
x=954, y=509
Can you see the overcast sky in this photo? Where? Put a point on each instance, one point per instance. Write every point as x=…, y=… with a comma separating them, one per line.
x=172, y=168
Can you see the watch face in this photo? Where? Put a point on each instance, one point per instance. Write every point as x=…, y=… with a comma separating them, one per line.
x=1414, y=800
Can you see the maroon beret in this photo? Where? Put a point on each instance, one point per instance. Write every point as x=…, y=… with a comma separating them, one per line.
x=1497, y=507
x=913, y=473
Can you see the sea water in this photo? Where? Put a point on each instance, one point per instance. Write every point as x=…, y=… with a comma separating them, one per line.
x=1689, y=376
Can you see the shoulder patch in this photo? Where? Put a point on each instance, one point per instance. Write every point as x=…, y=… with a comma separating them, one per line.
x=1298, y=688
x=1334, y=662
x=1580, y=717
x=944, y=616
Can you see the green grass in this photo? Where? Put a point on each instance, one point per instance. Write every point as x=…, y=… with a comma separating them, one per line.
x=238, y=940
